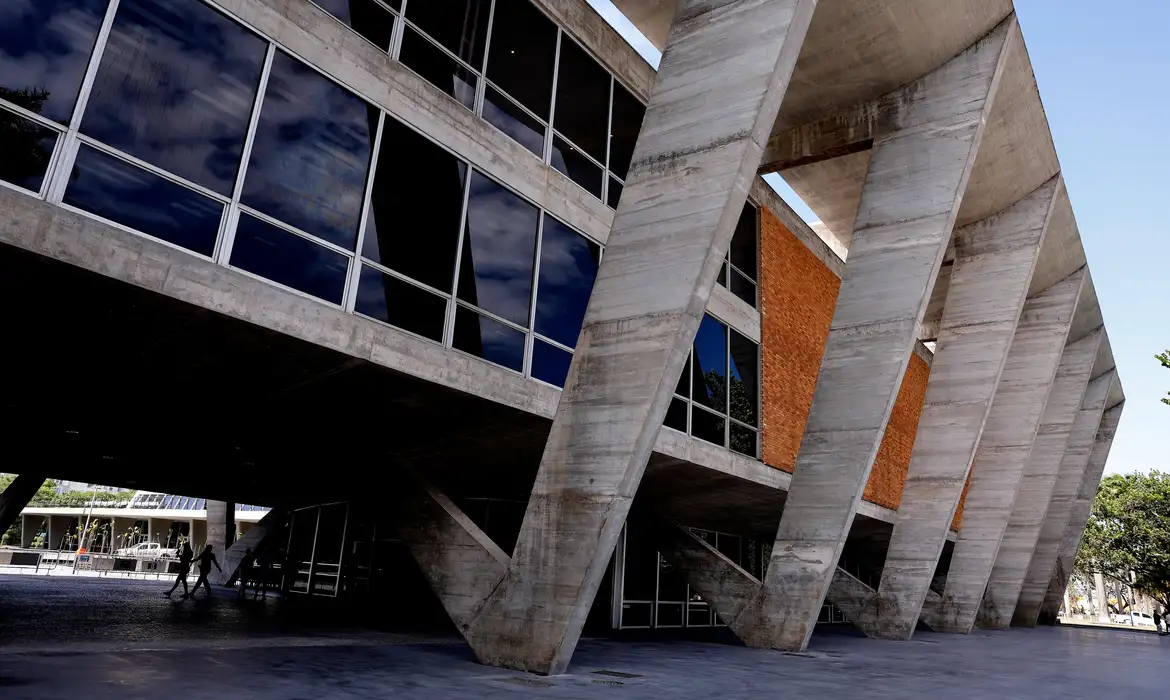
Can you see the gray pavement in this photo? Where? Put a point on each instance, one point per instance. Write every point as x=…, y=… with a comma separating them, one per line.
x=62, y=638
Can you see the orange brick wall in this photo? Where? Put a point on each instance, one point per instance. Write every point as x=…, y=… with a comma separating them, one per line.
x=958, y=521
x=797, y=296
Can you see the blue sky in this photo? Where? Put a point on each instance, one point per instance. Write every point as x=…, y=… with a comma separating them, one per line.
x=1104, y=77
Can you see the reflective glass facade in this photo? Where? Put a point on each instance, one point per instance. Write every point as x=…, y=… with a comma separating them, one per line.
x=740, y=271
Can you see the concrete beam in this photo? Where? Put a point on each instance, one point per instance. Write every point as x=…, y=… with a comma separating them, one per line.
x=272, y=522
x=1004, y=449
x=16, y=497
x=994, y=260
x=913, y=189
x=723, y=76
x=1031, y=502
x=720, y=581
x=1079, y=516
x=1064, y=493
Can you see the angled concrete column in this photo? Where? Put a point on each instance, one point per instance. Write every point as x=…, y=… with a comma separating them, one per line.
x=994, y=261
x=1079, y=517
x=16, y=497
x=723, y=74
x=1004, y=449
x=1064, y=495
x=221, y=525
x=911, y=194
x=272, y=522
x=1031, y=503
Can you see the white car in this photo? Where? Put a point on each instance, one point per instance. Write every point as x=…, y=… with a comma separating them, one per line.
x=1138, y=619
x=147, y=550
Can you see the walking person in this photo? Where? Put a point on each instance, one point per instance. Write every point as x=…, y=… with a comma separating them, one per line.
x=185, y=557
x=206, y=560
x=245, y=571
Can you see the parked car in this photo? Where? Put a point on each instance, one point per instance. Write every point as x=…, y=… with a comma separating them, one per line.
x=1138, y=619
x=147, y=550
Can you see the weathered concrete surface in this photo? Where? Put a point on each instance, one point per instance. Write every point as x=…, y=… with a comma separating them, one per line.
x=16, y=497
x=1079, y=516
x=1031, y=502
x=1004, y=449
x=1064, y=494
x=716, y=96
x=221, y=526
x=914, y=186
x=272, y=522
x=720, y=581
x=994, y=260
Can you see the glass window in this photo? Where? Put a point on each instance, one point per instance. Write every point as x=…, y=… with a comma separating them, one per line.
x=289, y=259
x=523, y=53
x=684, y=380
x=707, y=426
x=311, y=153
x=743, y=243
x=549, y=363
x=567, y=159
x=568, y=268
x=27, y=148
x=119, y=191
x=710, y=364
x=437, y=68
x=366, y=17
x=495, y=271
x=614, y=195
x=743, y=288
x=45, y=47
x=743, y=440
x=501, y=113
x=744, y=379
x=176, y=88
x=628, y=113
x=487, y=338
x=582, y=113
x=416, y=205
x=459, y=25
x=400, y=304
x=676, y=415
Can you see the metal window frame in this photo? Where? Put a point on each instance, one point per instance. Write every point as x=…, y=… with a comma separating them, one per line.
x=378, y=3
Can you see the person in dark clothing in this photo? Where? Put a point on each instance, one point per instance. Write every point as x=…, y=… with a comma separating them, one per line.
x=185, y=556
x=206, y=560
x=245, y=571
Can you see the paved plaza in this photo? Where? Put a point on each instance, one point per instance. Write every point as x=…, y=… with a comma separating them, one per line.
x=62, y=638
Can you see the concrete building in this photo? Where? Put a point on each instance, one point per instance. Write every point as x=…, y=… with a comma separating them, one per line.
x=503, y=319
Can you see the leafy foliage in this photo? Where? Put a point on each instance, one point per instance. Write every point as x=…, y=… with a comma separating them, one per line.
x=1164, y=358
x=1129, y=531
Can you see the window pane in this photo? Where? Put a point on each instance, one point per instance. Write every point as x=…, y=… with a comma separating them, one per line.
x=627, y=122
x=289, y=259
x=44, y=48
x=27, y=148
x=707, y=426
x=684, y=380
x=122, y=192
x=744, y=394
x=743, y=288
x=459, y=25
x=580, y=169
x=676, y=415
x=176, y=88
x=365, y=17
x=582, y=100
x=568, y=267
x=495, y=272
x=487, y=338
x=711, y=364
x=437, y=68
x=615, y=194
x=311, y=153
x=550, y=364
x=401, y=304
x=743, y=242
x=416, y=207
x=523, y=53
x=513, y=121
x=743, y=440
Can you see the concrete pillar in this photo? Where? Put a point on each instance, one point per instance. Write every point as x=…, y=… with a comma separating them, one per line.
x=993, y=267
x=221, y=524
x=16, y=497
x=1064, y=494
x=716, y=96
x=913, y=188
x=1031, y=503
x=1005, y=447
x=1079, y=516
x=252, y=539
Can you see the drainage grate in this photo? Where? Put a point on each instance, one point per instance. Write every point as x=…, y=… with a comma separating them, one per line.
x=531, y=682
x=617, y=674
x=597, y=682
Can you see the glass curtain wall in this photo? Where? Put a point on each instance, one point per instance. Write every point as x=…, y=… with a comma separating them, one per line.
x=741, y=268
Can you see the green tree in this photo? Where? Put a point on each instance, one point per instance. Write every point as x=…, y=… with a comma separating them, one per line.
x=1164, y=358
x=1129, y=531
